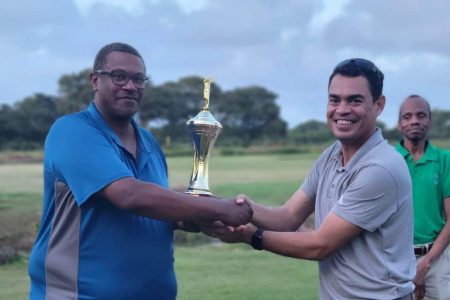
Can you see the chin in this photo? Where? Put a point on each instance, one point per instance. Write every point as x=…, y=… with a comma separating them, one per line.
x=126, y=115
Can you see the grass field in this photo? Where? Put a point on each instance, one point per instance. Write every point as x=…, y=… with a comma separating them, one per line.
x=212, y=271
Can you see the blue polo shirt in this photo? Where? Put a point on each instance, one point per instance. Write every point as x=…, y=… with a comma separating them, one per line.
x=86, y=247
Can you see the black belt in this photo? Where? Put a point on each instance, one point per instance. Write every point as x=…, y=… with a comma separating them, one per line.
x=421, y=250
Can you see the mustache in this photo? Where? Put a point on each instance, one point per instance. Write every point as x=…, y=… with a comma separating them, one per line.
x=130, y=94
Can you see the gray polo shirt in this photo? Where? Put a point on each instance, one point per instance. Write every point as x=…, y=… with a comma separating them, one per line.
x=373, y=191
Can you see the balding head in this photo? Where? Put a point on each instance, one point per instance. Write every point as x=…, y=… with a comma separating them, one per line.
x=414, y=100
x=414, y=119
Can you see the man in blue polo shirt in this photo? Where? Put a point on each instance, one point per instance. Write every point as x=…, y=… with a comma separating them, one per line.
x=108, y=215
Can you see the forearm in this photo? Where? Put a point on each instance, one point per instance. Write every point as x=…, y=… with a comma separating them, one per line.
x=443, y=239
x=304, y=245
x=273, y=218
x=288, y=217
x=440, y=244
x=153, y=201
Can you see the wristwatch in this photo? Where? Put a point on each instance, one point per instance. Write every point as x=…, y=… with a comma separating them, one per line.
x=257, y=239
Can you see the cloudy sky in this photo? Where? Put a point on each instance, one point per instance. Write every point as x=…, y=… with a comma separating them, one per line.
x=287, y=46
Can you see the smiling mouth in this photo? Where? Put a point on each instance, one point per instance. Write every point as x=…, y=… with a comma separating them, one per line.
x=344, y=122
x=128, y=98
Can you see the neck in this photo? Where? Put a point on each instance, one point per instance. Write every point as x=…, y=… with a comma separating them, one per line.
x=123, y=128
x=416, y=148
x=347, y=154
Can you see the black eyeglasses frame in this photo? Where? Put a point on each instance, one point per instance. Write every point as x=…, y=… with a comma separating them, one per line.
x=134, y=78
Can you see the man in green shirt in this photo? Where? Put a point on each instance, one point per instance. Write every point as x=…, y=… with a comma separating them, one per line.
x=430, y=172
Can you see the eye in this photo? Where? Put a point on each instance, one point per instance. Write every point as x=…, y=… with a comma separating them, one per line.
x=139, y=79
x=422, y=116
x=119, y=76
x=355, y=100
x=333, y=100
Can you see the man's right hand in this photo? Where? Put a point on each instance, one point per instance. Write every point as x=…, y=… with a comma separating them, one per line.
x=235, y=214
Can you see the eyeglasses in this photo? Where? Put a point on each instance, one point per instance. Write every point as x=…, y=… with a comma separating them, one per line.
x=121, y=78
x=362, y=63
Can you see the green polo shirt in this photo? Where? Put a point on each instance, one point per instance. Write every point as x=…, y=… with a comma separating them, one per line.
x=431, y=184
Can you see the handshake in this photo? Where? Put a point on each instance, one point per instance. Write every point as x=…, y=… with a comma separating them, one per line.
x=232, y=223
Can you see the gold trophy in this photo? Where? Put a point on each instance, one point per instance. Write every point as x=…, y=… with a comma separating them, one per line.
x=204, y=129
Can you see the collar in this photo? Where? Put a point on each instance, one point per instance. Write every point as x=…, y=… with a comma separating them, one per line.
x=430, y=154
x=375, y=139
x=104, y=126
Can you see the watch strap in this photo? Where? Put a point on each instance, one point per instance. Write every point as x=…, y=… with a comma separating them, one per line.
x=257, y=239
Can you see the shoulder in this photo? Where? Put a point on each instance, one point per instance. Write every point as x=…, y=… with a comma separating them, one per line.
x=443, y=153
x=73, y=129
x=76, y=121
x=386, y=155
x=384, y=161
x=332, y=151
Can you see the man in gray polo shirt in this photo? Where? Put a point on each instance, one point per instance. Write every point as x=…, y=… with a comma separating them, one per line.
x=360, y=190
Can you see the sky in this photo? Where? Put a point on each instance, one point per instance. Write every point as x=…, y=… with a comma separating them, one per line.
x=289, y=47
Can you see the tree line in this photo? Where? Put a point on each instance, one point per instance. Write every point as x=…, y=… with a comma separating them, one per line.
x=249, y=115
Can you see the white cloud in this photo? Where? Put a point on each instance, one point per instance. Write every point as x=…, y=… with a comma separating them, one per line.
x=131, y=7
x=289, y=46
x=329, y=10
x=288, y=34
x=190, y=6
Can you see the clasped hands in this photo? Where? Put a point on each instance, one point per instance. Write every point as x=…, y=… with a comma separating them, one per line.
x=227, y=233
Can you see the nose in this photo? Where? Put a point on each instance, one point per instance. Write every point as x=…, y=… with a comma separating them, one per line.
x=343, y=108
x=129, y=85
x=414, y=120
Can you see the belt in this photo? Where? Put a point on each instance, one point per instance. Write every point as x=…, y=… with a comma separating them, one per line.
x=421, y=250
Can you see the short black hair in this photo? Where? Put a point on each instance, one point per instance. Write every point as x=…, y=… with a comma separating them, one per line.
x=100, y=58
x=355, y=67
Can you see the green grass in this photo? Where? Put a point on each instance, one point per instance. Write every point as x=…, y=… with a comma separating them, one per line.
x=21, y=178
x=14, y=280
x=238, y=272
x=213, y=271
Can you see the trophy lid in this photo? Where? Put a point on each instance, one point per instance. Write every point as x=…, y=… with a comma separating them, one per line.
x=204, y=117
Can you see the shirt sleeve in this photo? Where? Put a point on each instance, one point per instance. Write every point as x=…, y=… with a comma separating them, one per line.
x=370, y=199
x=83, y=157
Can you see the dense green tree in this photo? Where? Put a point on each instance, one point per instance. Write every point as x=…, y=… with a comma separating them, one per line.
x=167, y=108
x=312, y=131
x=249, y=115
x=31, y=119
x=7, y=130
x=440, y=126
x=75, y=91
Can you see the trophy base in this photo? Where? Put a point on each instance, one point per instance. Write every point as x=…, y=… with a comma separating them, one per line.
x=196, y=192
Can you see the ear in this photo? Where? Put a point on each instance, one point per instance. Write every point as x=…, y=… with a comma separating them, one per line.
x=379, y=104
x=94, y=81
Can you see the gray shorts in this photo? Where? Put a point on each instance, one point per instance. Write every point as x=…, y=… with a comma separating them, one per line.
x=437, y=280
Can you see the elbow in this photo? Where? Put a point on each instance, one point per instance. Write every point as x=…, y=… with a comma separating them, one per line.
x=124, y=194
x=321, y=251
